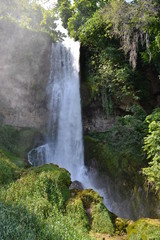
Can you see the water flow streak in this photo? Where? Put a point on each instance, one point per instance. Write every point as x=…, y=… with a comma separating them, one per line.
x=65, y=125
x=64, y=139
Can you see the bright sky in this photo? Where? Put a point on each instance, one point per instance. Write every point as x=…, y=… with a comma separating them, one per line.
x=49, y=3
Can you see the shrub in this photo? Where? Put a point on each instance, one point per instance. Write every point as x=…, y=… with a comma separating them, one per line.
x=152, y=148
x=42, y=194
x=8, y=170
x=144, y=229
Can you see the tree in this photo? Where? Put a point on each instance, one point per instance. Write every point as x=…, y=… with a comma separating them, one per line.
x=31, y=15
x=75, y=15
x=131, y=23
x=65, y=10
x=93, y=32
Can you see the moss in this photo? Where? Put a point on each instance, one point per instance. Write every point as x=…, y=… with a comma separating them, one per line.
x=8, y=170
x=119, y=164
x=104, y=156
x=121, y=225
x=43, y=192
x=29, y=138
x=93, y=213
x=76, y=211
x=9, y=138
x=16, y=143
x=144, y=229
x=48, y=184
x=18, y=161
x=101, y=221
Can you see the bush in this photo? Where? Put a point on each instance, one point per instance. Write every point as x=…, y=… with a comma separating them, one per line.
x=101, y=221
x=152, y=148
x=18, y=224
x=144, y=229
x=42, y=194
x=87, y=209
x=120, y=148
x=8, y=170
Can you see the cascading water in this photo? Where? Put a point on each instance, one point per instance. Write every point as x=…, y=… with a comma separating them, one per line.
x=65, y=126
x=64, y=139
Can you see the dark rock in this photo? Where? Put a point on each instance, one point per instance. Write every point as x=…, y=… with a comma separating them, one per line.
x=76, y=185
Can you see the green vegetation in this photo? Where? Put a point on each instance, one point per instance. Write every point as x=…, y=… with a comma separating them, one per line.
x=120, y=44
x=40, y=205
x=152, y=147
x=16, y=143
x=30, y=15
x=144, y=229
x=115, y=36
x=132, y=24
x=8, y=171
x=119, y=150
x=87, y=208
x=120, y=47
x=101, y=220
x=17, y=223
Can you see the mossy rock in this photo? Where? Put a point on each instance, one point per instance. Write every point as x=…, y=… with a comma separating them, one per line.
x=29, y=138
x=120, y=167
x=76, y=211
x=101, y=220
x=8, y=171
x=40, y=188
x=144, y=229
x=93, y=213
x=121, y=225
x=8, y=138
x=42, y=193
x=86, y=94
x=105, y=157
x=16, y=143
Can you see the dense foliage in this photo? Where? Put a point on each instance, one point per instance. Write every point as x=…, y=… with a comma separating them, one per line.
x=31, y=15
x=152, y=147
x=8, y=170
x=39, y=205
x=120, y=40
x=131, y=23
x=134, y=24
x=15, y=143
x=119, y=150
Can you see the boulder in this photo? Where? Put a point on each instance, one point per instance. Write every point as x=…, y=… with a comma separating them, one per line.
x=76, y=185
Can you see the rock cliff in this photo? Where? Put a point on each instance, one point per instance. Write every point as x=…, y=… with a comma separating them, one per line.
x=24, y=72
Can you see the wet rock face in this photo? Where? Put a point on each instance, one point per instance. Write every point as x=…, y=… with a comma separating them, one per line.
x=123, y=184
x=95, y=119
x=24, y=72
x=97, y=123
x=76, y=185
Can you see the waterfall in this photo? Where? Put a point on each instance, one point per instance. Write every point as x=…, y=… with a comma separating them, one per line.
x=65, y=125
x=64, y=139
x=64, y=145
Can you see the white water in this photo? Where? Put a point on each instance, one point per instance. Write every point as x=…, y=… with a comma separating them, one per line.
x=65, y=125
x=64, y=139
